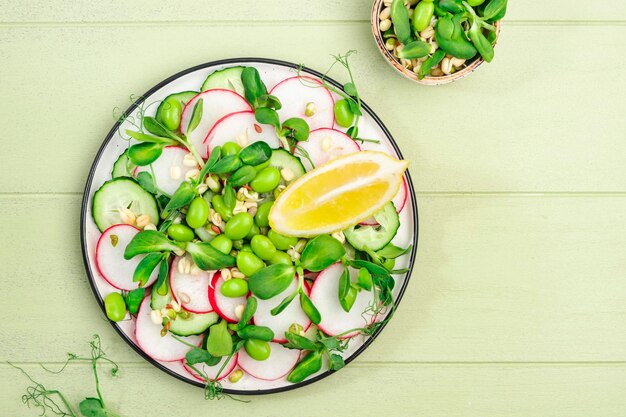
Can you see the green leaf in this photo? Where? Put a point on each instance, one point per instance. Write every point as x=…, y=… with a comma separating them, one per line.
x=299, y=342
x=145, y=179
x=226, y=165
x=370, y=266
x=336, y=362
x=198, y=355
x=344, y=284
x=298, y=128
x=92, y=407
x=365, y=279
x=242, y=176
x=353, y=132
x=348, y=301
x=414, y=50
x=220, y=342
x=213, y=158
x=155, y=127
x=283, y=304
x=350, y=89
x=392, y=251
x=309, y=308
x=162, y=285
x=230, y=198
x=252, y=85
x=330, y=343
x=309, y=365
x=267, y=116
x=401, y=22
x=142, y=137
x=321, y=252
x=256, y=332
x=207, y=257
x=267, y=100
x=196, y=116
x=271, y=281
x=431, y=63
x=148, y=241
x=495, y=10
x=145, y=267
x=248, y=312
x=181, y=198
x=145, y=153
x=134, y=298
x=354, y=107
x=256, y=153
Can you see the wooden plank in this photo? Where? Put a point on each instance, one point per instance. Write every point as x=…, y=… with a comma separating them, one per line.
x=497, y=279
x=405, y=390
x=511, y=126
x=268, y=10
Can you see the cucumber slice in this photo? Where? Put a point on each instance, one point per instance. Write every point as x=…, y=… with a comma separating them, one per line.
x=158, y=301
x=282, y=159
x=195, y=324
x=375, y=237
x=123, y=167
x=228, y=78
x=184, y=98
x=120, y=193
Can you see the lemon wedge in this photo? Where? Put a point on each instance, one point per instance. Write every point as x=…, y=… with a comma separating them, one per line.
x=338, y=194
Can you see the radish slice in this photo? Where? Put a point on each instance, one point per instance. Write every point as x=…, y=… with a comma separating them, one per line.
x=190, y=290
x=211, y=371
x=224, y=306
x=216, y=104
x=169, y=169
x=325, y=144
x=110, y=261
x=324, y=295
x=241, y=127
x=295, y=93
x=280, y=362
x=399, y=201
x=281, y=322
x=149, y=339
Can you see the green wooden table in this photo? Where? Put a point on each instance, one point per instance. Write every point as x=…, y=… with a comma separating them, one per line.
x=517, y=306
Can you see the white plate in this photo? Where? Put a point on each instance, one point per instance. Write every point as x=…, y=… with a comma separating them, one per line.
x=272, y=72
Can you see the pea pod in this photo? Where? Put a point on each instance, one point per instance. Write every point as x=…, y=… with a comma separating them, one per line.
x=431, y=63
x=415, y=49
x=307, y=366
x=401, y=22
x=482, y=44
x=422, y=15
x=451, y=37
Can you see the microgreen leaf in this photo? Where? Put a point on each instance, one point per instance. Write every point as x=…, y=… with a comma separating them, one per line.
x=242, y=176
x=350, y=89
x=344, y=284
x=207, y=257
x=348, y=301
x=145, y=267
x=230, y=198
x=134, y=298
x=182, y=197
x=392, y=251
x=256, y=153
x=283, y=304
x=365, y=279
x=297, y=128
x=267, y=116
x=155, y=127
x=336, y=362
x=321, y=252
x=252, y=85
x=268, y=100
x=148, y=241
x=309, y=308
x=495, y=10
x=92, y=407
x=146, y=181
x=161, y=284
x=248, y=312
x=196, y=116
x=220, y=342
x=271, y=281
x=370, y=266
x=295, y=341
x=227, y=164
x=145, y=153
x=256, y=332
x=353, y=132
x=142, y=137
x=309, y=365
x=198, y=355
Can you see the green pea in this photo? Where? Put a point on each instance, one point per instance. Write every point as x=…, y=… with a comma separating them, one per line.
x=262, y=214
x=262, y=166
x=198, y=213
x=248, y=263
x=230, y=148
x=239, y=226
x=222, y=243
x=280, y=241
x=280, y=257
x=115, y=307
x=257, y=349
x=220, y=207
x=266, y=180
x=422, y=15
x=180, y=233
x=170, y=113
x=246, y=248
x=343, y=115
x=253, y=232
x=235, y=287
x=389, y=264
x=263, y=247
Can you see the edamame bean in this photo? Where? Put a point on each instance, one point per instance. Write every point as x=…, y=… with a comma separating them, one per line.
x=262, y=214
x=220, y=207
x=248, y=263
x=246, y=248
x=422, y=15
x=263, y=247
x=180, y=233
x=343, y=115
x=222, y=243
x=266, y=180
x=230, y=148
x=239, y=226
x=280, y=241
x=257, y=349
x=235, y=287
x=253, y=232
x=198, y=213
x=170, y=113
x=115, y=307
x=262, y=166
x=280, y=257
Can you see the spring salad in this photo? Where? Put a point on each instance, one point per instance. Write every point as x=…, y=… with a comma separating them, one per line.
x=245, y=236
